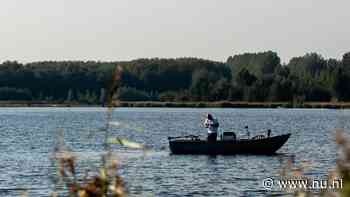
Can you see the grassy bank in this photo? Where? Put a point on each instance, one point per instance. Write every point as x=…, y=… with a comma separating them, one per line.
x=228, y=104
x=42, y=104
x=199, y=104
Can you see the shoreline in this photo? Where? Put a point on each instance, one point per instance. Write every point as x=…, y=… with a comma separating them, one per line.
x=235, y=104
x=199, y=104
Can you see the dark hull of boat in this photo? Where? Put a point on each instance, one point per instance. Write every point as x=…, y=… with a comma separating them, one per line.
x=265, y=146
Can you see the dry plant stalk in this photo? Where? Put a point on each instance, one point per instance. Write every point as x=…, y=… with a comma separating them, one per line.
x=108, y=183
x=342, y=171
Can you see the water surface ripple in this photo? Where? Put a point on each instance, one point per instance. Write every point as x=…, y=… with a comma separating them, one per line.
x=28, y=137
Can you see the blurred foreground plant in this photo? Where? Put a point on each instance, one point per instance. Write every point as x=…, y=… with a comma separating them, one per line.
x=107, y=183
x=341, y=171
x=343, y=162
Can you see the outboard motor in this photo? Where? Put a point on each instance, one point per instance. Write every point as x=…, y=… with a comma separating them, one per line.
x=228, y=136
x=248, y=134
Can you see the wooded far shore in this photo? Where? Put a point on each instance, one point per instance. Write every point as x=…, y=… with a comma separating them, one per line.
x=249, y=77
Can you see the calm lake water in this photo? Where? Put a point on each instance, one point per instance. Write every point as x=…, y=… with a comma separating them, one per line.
x=28, y=137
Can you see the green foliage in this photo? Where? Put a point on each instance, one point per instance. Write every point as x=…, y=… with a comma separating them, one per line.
x=342, y=84
x=256, y=63
x=132, y=94
x=346, y=60
x=246, y=77
x=7, y=93
x=309, y=65
x=201, y=81
x=87, y=96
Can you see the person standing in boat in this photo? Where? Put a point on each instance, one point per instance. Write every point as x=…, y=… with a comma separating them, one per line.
x=212, y=124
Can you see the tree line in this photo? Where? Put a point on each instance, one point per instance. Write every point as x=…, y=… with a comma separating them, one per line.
x=243, y=77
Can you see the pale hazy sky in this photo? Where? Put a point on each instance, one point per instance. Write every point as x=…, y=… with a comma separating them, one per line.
x=108, y=30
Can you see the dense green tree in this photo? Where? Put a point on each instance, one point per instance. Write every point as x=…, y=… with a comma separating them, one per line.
x=342, y=84
x=346, y=60
x=245, y=78
x=256, y=63
x=309, y=65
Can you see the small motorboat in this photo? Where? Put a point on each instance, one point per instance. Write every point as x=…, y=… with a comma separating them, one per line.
x=227, y=145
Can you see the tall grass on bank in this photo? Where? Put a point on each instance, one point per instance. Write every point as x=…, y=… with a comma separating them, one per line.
x=337, y=181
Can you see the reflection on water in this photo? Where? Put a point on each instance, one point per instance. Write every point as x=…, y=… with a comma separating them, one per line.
x=28, y=137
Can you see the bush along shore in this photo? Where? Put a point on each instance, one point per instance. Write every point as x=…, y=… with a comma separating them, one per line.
x=228, y=104
x=199, y=104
